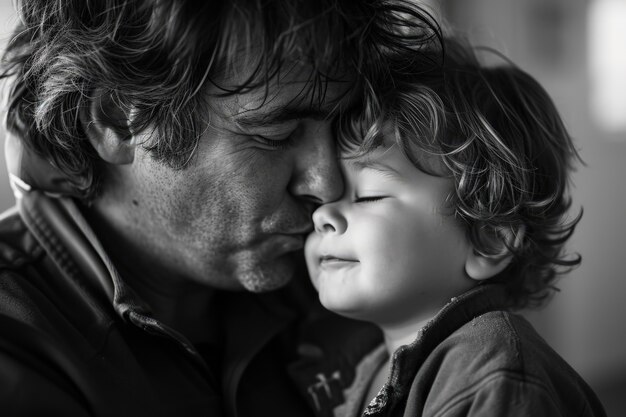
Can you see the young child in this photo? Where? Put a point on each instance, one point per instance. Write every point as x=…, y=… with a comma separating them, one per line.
x=453, y=216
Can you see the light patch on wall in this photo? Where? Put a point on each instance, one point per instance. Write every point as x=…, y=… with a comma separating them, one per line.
x=607, y=64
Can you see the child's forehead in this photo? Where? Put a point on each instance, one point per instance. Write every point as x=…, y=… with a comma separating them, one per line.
x=390, y=158
x=381, y=166
x=385, y=159
x=366, y=158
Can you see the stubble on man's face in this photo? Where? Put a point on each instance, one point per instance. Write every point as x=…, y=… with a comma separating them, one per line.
x=237, y=215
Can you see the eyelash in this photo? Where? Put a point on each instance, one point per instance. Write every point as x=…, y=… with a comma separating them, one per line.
x=368, y=199
x=277, y=144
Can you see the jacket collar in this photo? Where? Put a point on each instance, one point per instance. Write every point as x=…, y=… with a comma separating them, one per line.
x=60, y=228
x=407, y=359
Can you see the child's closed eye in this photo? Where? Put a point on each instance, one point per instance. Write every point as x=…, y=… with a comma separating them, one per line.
x=368, y=199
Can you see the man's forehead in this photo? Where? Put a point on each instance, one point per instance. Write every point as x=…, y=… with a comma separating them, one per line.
x=276, y=104
x=297, y=91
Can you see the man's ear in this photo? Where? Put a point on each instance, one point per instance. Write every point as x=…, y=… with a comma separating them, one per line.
x=481, y=266
x=106, y=125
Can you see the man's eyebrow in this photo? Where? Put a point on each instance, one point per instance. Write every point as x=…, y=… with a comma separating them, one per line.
x=279, y=115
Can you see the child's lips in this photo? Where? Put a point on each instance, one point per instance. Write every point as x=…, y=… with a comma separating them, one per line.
x=331, y=260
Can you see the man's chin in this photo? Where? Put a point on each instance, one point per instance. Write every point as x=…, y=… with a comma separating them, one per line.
x=269, y=276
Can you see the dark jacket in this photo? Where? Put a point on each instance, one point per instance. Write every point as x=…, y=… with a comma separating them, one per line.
x=474, y=358
x=76, y=341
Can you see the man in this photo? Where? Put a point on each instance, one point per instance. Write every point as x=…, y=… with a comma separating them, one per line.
x=167, y=155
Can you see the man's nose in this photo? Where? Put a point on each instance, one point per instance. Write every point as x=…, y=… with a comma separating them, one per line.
x=329, y=219
x=317, y=177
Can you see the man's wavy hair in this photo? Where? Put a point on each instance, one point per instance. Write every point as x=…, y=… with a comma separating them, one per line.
x=155, y=58
x=500, y=137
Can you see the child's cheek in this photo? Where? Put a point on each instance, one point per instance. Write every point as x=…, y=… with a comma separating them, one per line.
x=311, y=256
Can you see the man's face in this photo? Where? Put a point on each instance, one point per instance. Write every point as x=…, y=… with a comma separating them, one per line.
x=238, y=214
x=388, y=251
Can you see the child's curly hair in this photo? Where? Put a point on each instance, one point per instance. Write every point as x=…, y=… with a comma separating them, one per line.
x=500, y=137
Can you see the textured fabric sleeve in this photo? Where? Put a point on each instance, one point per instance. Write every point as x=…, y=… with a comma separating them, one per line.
x=504, y=394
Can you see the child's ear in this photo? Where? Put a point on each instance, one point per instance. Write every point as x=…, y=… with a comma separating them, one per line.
x=481, y=266
x=106, y=125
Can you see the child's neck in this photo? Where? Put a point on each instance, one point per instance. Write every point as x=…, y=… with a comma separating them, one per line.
x=395, y=336
x=401, y=334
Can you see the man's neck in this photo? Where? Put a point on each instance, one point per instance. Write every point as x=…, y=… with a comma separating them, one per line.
x=174, y=300
x=188, y=309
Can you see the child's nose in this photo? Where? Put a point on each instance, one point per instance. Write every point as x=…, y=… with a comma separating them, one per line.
x=328, y=219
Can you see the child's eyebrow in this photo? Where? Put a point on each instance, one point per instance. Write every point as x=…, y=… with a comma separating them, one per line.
x=381, y=167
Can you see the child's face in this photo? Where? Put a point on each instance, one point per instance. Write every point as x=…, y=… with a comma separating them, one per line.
x=387, y=251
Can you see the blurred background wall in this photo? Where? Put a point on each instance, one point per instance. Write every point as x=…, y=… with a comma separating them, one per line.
x=577, y=51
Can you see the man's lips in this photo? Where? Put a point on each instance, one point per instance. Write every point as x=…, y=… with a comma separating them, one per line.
x=288, y=242
x=300, y=232
x=296, y=231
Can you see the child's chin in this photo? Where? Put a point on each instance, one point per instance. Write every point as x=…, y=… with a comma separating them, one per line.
x=341, y=307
